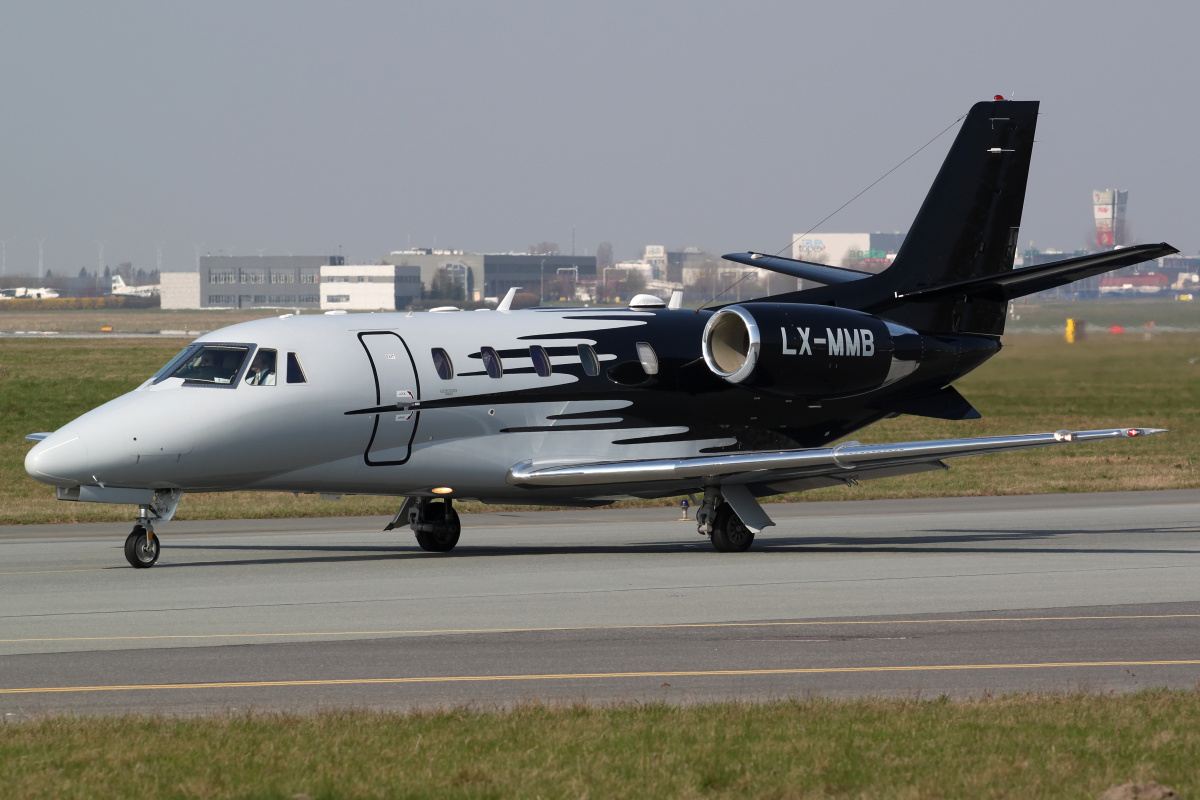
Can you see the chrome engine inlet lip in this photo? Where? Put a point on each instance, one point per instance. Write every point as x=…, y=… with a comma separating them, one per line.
x=752, y=352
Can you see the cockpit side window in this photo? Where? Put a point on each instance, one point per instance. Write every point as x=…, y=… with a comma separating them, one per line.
x=294, y=372
x=491, y=362
x=262, y=369
x=172, y=365
x=443, y=364
x=212, y=364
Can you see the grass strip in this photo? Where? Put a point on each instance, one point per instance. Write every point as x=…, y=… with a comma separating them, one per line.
x=1021, y=746
x=1037, y=383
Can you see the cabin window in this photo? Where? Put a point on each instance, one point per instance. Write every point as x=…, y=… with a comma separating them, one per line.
x=587, y=357
x=443, y=364
x=541, y=361
x=217, y=365
x=262, y=369
x=294, y=372
x=491, y=362
x=648, y=358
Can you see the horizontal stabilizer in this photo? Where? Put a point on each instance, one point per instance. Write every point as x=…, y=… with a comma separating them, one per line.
x=809, y=271
x=945, y=403
x=757, y=468
x=1027, y=280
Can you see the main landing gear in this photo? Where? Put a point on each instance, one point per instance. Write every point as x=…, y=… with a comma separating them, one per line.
x=435, y=522
x=717, y=520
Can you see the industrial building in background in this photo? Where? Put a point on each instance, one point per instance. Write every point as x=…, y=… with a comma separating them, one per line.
x=1108, y=206
x=248, y=282
x=405, y=277
x=867, y=252
x=369, y=287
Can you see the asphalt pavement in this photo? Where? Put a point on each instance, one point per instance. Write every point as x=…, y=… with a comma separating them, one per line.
x=961, y=596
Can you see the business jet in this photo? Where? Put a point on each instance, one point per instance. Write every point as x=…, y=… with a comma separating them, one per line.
x=584, y=406
x=120, y=289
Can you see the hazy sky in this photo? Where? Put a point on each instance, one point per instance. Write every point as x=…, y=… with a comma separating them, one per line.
x=297, y=127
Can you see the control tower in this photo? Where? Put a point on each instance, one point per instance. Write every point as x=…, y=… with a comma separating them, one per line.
x=1108, y=205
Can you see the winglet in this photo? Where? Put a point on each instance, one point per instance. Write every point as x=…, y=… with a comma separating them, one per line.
x=506, y=303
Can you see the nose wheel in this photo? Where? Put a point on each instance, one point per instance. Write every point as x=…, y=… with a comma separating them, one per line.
x=141, y=547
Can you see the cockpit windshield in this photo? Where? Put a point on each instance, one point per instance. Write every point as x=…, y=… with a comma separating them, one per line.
x=217, y=364
x=170, y=366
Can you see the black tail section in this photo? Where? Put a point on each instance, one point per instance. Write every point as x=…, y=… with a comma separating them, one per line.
x=967, y=228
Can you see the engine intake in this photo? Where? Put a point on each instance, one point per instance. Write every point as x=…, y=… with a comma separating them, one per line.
x=800, y=350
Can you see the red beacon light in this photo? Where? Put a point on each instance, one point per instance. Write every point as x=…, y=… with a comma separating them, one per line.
x=1134, y=432
x=998, y=97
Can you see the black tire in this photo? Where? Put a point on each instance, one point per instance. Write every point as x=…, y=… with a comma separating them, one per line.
x=730, y=534
x=440, y=512
x=141, y=549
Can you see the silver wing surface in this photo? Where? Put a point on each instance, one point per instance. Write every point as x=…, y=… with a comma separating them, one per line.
x=741, y=476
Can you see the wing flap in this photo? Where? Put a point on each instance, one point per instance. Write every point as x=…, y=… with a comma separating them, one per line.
x=841, y=459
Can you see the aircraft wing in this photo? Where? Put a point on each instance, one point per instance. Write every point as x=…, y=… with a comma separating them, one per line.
x=848, y=461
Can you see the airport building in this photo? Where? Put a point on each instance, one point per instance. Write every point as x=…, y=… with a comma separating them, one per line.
x=487, y=275
x=248, y=282
x=369, y=287
x=326, y=282
x=869, y=252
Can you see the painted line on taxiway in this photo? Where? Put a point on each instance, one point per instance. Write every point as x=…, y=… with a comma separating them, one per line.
x=674, y=625
x=715, y=673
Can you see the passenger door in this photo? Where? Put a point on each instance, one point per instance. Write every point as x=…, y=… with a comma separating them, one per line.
x=395, y=383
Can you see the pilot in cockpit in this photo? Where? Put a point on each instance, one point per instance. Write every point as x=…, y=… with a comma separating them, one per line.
x=262, y=369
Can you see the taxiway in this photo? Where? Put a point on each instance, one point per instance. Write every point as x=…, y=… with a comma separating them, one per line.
x=959, y=596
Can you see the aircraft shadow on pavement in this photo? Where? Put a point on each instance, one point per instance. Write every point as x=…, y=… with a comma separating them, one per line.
x=954, y=541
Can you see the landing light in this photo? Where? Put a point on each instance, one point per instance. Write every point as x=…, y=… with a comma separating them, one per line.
x=443, y=490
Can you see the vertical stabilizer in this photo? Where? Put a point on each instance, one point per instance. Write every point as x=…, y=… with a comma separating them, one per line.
x=968, y=225
x=967, y=228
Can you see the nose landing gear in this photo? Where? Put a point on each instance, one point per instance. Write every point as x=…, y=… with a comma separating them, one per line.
x=142, y=545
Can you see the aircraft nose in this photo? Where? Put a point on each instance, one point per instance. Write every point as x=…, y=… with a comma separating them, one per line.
x=59, y=461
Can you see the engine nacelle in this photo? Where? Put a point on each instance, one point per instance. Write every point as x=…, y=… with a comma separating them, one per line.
x=803, y=350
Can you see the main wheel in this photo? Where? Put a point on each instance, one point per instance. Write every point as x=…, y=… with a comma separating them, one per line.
x=730, y=534
x=141, y=548
x=440, y=512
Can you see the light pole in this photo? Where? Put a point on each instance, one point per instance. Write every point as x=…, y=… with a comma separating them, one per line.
x=542, y=291
x=197, y=249
x=40, y=243
x=604, y=276
x=3, y=256
x=574, y=279
x=100, y=255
